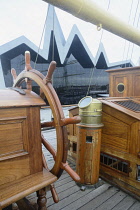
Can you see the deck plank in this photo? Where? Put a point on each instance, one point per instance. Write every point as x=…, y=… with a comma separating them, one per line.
x=125, y=203
x=112, y=201
x=94, y=198
x=135, y=206
x=68, y=200
x=63, y=195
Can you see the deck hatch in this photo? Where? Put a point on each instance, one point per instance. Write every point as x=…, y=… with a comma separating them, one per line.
x=115, y=163
x=129, y=104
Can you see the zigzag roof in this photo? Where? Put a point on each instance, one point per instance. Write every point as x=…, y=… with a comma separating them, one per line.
x=74, y=45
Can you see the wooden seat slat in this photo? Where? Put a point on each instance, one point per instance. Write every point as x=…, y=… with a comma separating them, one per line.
x=11, y=192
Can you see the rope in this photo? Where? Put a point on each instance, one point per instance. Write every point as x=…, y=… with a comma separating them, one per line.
x=40, y=42
x=53, y=38
x=52, y=57
x=136, y=27
x=92, y=69
x=128, y=22
x=133, y=25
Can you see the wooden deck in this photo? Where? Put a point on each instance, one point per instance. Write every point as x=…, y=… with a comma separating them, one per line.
x=104, y=197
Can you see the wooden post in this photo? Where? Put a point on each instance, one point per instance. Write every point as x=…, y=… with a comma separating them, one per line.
x=88, y=154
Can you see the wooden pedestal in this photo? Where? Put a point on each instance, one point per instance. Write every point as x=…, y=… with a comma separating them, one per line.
x=88, y=154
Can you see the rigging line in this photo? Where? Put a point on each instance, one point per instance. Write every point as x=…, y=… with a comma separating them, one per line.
x=40, y=42
x=133, y=25
x=92, y=69
x=128, y=22
x=136, y=27
x=53, y=38
x=52, y=55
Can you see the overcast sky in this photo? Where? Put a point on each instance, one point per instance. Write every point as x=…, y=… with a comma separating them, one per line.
x=27, y=17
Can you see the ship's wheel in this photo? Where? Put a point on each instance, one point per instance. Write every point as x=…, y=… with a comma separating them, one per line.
x=28, y=75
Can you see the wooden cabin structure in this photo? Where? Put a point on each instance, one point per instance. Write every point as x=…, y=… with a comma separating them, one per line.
x=120, y=150
x=124, y=82
x=120, y=142
x=21, y=165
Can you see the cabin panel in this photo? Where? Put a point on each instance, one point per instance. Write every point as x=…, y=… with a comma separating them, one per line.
x=136, y=84
x=120, y=143
x=20, y=143
x=12, y=113
x=34, y=138
x=115, y=133
x=120, y=179
x=13, y=145
x=11, y=138
x=128, y=78
x=14, y=168
x=119, y=113
x=118, y=80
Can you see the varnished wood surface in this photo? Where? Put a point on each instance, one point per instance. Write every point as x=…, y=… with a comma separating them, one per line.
x=120, y=139
x=17, y=151
x=128, y=114
x=130, y=77
x=21, y=168
x=22, y=187
x=11, y=98
x=88, y=155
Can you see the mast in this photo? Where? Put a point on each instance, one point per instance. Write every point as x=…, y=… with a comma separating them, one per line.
x=89, y=11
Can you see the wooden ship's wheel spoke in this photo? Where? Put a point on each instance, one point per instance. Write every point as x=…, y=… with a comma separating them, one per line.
x=59, y=122
x=46, y=89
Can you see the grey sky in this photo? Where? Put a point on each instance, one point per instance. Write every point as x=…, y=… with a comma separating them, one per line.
x=27, y=17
